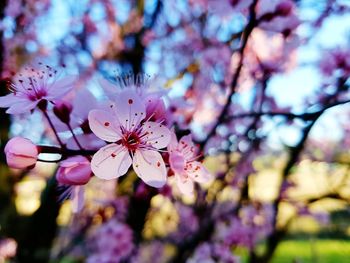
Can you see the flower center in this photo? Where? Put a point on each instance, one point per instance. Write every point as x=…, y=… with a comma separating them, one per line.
x=131, y=141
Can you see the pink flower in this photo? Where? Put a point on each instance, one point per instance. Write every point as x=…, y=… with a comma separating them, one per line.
x=182, y=160
x=74, y=171
x=32, y=86
x=21, y=153
x=133, y=141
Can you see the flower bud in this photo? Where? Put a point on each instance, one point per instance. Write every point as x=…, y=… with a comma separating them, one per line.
x=74, y=171
x=284, y=8
x=63, y=110
x=21, y=153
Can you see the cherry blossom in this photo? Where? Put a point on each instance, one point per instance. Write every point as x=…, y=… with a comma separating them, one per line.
x=182, y=160
x=133, y=140
x=31, y=86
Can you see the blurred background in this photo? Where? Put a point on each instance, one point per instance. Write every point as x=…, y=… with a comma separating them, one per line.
x=281, y=148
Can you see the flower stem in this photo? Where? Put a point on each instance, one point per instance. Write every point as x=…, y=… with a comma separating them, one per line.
x=74, y=137
x=53, y=129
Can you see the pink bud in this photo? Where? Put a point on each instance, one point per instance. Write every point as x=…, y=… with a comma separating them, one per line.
x=63, y=110
x=74, y=171
x=21, y=153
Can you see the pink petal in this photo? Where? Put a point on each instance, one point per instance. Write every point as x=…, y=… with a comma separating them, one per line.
x=177, y=162
x=87, y=141
x=150, y=167
x=104, y=125
x=199, y=173
x=78, y=198
x=129, y=109
x=81, y=110
x=61, y=87
x=172, y=146
x=8, y=100
x=184, y=184
x=187, y=140
x=22, y=107
x=158, y=136
x=187, y=147
x=110, y=162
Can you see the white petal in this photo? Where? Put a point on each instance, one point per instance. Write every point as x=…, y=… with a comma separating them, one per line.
x=184, y=184
x=150, y=167
x=104, y=125
x=61, y=87
x=110, y=88
x=199, y=173
x=110, y=162
x=158, y=135
x=22, y=107
x=129, y=109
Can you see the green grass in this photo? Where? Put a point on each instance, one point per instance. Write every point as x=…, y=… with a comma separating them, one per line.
x=307, y=251
x=313, y=251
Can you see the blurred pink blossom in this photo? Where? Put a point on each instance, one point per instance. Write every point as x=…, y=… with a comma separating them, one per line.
x=32, y=86
x=111, y=242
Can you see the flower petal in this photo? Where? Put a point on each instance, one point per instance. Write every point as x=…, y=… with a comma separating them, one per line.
x=158, y=135
x=61, y=87
x=150, y=167
x=110, y=88
x=177, y=162
x=111, y=162
x=87, y=141
x=78, y=193
x=172, y=146
x=129, y=109
x=184, y=184
x=199, y=173
x=104, y=125
x=8, y=100
x=22, y=107
x=81, y=110
x=187, y=147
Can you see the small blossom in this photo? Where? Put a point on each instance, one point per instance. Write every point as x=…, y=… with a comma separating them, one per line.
x=31, y=86
x=182, y=160
x=74, y=171
x=112, y=242
x=134, y=140
x=21, y=153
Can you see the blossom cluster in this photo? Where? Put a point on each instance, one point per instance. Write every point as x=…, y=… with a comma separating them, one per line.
x=131, y=128
x=133, y=154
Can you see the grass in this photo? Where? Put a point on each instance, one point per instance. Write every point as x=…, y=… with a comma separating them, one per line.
x=311, y=251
